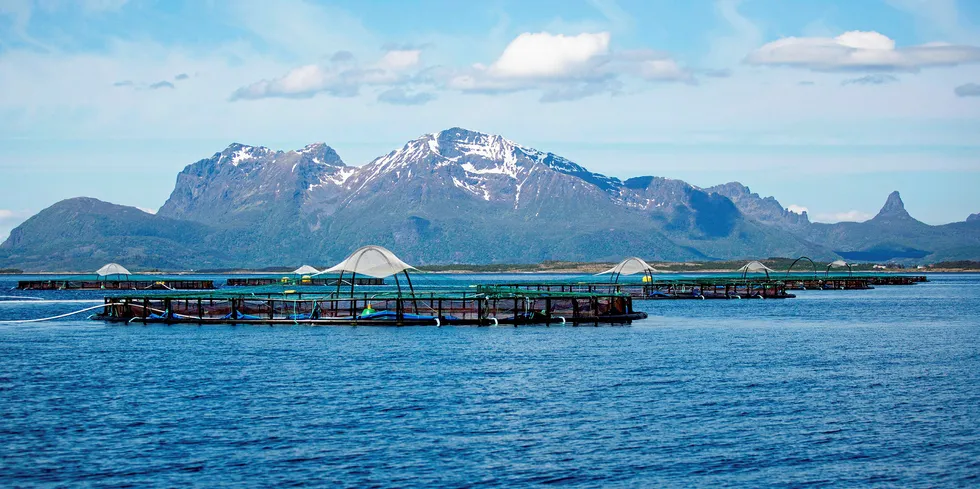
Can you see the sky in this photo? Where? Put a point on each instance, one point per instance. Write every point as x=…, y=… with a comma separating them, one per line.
x=826, y=106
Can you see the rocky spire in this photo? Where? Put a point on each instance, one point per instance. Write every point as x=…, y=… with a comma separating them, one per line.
x=893, y=208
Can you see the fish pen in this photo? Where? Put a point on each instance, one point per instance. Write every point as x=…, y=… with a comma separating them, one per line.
x=315, y=281
x=482, y=306
x=667, y=289
x=91, y=282
x=889, y=279
x=849, y=282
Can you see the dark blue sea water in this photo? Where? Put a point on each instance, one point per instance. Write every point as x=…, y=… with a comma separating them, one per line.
x=847, y=389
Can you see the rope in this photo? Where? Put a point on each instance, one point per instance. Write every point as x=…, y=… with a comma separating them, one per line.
x=52, y=317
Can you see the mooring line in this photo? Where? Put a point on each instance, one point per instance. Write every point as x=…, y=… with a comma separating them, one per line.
x=52, y=317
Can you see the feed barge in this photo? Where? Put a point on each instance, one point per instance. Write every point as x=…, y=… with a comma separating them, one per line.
x=479, y=306
x=670, y=289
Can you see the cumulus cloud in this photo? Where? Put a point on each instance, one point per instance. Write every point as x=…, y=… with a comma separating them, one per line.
x=181, y=76
x=160, y=84
x=847, y=216
x=544, y=55
x=860, y=51
x=967, y=90
x=398, y=96
x=339, y=77
x=873, y=79
x=797, y=209
x=566, y=67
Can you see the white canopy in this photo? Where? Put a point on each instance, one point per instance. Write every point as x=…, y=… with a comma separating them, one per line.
x=630, y=266
x=838, y=263
x=305, y=270
x=373, y=261
x=754, y=266
x=112, y=269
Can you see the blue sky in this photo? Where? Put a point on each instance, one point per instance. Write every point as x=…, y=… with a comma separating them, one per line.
x=826, y=105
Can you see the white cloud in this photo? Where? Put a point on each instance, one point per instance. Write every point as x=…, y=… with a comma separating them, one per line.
x=544, y=55
x=846, y=216
x=339, y=76
x=797, y=209
x=147, y=210
x=400, y=59
x=566, y=67
x=860, y=51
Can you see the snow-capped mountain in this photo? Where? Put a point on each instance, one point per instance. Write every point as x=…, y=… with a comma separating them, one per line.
x=459, y=195
x=451, y=196
x=244, y=179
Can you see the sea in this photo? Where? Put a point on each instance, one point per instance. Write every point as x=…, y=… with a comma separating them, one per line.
x=870, y=388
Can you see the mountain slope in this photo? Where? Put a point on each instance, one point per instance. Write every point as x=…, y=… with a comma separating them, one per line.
x=894, y=234
x=765, y=210
x=84, y=234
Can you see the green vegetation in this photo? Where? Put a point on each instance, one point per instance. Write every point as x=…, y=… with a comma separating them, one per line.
x=11, y=271
x=957, y=265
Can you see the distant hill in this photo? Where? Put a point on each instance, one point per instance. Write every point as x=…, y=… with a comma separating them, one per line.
x=456, y=196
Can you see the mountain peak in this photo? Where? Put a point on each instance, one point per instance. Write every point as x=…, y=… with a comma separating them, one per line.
x=973, y=218
x=321, y=154
x=894, y=207
x=236, y=153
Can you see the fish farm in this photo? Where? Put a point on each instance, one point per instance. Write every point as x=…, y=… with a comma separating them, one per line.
x=695, y=288
x=365, y=289
x=485, y=306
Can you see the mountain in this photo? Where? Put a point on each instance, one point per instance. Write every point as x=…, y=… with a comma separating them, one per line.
x=83, y=234
x=973, y=218
x=466, y=196
x=447, y=197
x=765, y=210
x=893, y=234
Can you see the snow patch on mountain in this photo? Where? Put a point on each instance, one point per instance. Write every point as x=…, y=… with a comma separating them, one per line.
x=478, y=190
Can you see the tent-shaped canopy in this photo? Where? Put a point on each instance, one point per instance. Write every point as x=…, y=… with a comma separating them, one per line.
x=754, y=266
x=305, y=270
x=839, y=264
x=629, y=266
x=373, y=261
x=112, y=269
